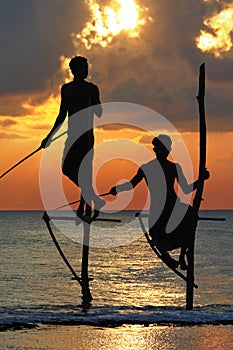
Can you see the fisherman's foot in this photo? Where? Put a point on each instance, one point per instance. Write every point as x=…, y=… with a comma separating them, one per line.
x=81, y=217
x=87, y=219
x=96, y=214
x=80, y=211
x=170, y=261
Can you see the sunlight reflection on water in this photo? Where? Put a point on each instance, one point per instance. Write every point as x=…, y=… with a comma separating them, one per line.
x=129, y=337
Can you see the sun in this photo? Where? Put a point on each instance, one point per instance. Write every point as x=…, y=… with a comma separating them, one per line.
x=127, y=17
x=108, y=21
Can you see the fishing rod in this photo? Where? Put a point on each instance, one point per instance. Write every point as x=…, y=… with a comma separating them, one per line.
x=79, y=200
x=30, y=155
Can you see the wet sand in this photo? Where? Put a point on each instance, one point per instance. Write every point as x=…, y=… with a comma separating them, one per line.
x=133, y=337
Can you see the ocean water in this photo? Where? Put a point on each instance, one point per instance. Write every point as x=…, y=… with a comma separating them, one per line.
x=130, y=284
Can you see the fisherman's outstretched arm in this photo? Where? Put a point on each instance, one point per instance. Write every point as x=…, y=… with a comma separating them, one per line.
x=129, y=185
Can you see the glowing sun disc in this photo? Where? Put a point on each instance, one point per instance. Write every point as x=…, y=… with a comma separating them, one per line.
x=108, y=21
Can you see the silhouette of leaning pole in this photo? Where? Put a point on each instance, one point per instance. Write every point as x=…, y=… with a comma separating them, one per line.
x=84, y=279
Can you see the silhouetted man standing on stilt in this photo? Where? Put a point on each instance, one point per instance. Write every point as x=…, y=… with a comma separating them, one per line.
x=80, y=99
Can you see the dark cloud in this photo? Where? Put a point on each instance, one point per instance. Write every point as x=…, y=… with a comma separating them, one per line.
x=158, y=70
x=119, y=126
x=7, y=122
x=11, y=105
x=14, y=104
x=220, y=102
x=34, y=34
x=220, y=71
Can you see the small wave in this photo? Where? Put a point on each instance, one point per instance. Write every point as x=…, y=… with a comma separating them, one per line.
x=115, y=316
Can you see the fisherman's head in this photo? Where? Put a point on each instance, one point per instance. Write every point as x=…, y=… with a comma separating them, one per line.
x=162, y=146
x=79, y=67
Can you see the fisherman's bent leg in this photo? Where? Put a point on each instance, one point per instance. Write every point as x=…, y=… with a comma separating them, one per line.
x=86, y=184
x=70, y=165
x=81, y=207
x=159, y=240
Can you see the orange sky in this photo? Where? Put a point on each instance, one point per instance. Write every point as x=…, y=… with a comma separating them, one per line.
x=161, y=74
x=20, y=188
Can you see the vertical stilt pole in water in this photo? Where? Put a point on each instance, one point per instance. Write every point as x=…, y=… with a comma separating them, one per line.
x=200, y=186
x=87, y=297
x=190, y=276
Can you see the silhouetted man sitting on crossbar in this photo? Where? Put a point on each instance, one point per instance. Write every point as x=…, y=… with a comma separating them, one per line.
x=170, y=220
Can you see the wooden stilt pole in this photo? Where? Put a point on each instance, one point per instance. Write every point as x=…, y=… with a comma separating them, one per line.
x=87, y=297
x=200, y=187
x=190, y=276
